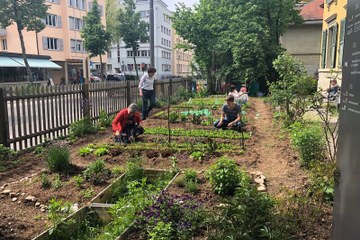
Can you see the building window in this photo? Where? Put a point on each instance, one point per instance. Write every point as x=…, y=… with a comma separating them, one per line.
x=53, y=1
x=109, y=54
x=129, y=53
x=4, y=44
x=53, y=20
x=144, y=14
x=330, y=52
x=341, y=43
x=77, y=4
x=77, y=45
x=53, y=44
x=76, y=23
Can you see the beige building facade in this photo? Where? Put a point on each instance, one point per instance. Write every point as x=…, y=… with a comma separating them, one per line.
x=61, y=40
x=332, y=43
x=181, y=59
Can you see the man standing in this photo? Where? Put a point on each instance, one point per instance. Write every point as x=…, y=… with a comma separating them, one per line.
x=126, y=124
x=230, y=115
x=146, y=89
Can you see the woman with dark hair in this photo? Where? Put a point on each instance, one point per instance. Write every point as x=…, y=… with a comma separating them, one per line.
x=147, y=92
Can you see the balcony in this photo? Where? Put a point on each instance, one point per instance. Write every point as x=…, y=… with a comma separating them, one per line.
x=2, y=32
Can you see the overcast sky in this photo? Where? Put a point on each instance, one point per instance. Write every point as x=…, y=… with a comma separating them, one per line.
x=171, y=3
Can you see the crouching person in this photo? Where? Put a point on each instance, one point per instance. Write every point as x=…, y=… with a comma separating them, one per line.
x=230, y=115
x=126, y=124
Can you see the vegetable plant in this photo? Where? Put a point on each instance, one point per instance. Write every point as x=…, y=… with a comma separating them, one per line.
x=58, y=158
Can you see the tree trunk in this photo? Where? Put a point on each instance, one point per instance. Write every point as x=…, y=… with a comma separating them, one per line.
x=101, y=69
x=23, y=50
x=134, y=52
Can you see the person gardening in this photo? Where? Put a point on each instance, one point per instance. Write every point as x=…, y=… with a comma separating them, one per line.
x=126, y=124
x=230, y=116
x=146, y=91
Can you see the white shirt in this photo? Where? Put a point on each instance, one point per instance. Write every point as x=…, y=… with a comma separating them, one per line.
x=146, y=82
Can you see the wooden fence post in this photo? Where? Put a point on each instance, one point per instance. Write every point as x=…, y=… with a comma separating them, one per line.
x=4, y=136
x=128, y=94
x=86, y=100
x=171, y=87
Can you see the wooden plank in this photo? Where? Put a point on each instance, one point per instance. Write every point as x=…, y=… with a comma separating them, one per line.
x=24, y=116
x=42, y=117
x=18, y=117
x=56, y=112
x=4, y=123
x=12, y=107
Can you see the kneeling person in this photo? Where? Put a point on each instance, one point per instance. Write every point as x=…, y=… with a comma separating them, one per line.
x=126, y=124
x=230, y=116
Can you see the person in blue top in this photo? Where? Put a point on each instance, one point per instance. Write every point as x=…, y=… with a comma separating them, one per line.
x=230, y=116
x=146, y=91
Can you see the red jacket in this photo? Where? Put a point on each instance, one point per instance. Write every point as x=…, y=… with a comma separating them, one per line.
x=121, y=118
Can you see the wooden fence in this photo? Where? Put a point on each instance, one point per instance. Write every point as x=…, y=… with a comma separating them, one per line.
x=31, y=115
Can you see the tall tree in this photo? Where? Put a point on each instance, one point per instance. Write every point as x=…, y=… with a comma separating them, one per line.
x=28, y=15
x=132, y=30
x=96, y=39
x=111, y=10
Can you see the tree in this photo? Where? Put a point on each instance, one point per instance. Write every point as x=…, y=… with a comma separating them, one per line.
x=111, y=10
x=28, y=15
x=131, y=29
x=96, y=39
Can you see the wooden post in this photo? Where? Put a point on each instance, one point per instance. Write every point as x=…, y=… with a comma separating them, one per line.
x=86, y=100
x=4, y=127
x=171, y=87
x=128, y=93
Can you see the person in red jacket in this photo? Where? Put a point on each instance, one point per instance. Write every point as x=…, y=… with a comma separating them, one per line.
x=126, y=124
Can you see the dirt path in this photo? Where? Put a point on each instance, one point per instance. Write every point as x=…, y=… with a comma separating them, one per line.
x=272, y=150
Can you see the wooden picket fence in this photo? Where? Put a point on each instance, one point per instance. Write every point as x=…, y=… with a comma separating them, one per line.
x=31, y=115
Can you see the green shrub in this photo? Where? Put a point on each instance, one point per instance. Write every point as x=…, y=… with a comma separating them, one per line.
x=81, y=128
x=190, y=175
x=134, y=171
x=197, y=155
x=87, y=193
x=322, y=183
x=104, y=119
x=180, y=181
x=58, y=159
x=5, y=152
x=309, y=140
x=38, y=150
x=183, y=118
x=117, y=171
x=173, y=117
x=162, y=231
x=57, y=182
x=96, y=172
x=45, y=181
x=191, y=187
x=224, y=176
x=78, y=180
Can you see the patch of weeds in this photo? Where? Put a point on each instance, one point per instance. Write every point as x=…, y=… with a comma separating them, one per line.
x=173, y=117
x=180, y=181
x=85, y=151
x=196, y=119
x=183, y=118
x=101, y=151
x=197, y=155
x=58, y=159
x=38, y=150
x=191, y=175
x=162, y=231
x=78, y=180
x=191, y=187
x=87, y=193
x=57, y=211
x=81, y=128
x=57, y=183
x=96, y=172
x=104, y=119
x=45, y=181
x=117, y=171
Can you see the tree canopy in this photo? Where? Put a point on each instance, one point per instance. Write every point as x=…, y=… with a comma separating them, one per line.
x=236, y=41
x=132, y=30
x=96, y=39
x=28, y=15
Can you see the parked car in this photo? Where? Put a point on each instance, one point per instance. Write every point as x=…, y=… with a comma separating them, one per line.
x=120, y=77
x=94, y=79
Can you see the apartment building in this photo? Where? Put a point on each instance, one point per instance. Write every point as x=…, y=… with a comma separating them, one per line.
x=181, y=60
x=120, y=59
x=332, y=43
x=61, y=40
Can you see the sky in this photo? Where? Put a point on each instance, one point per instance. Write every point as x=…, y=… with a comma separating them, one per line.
x=171, y=3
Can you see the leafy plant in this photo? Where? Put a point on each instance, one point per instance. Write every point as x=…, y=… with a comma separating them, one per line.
x=134, y=171
x=81, y=128
x=5, y=152
x=101, y=151
x=78, y=180
x=191, y=187
x=85, y=151
x=322, y=184
x=57, y=183
x=57, y=211
x=224, y=176
x=58, y=158
x=191, y=175
x=173, y=117
x=96, y=172
x=162, y=231
x=197, y=155
x=196, y=119
x=45, y=181
x=87, y=193
x=117, y=171
x=104, y=119
x=180, y=181
x=38, y=150
x=183, y=118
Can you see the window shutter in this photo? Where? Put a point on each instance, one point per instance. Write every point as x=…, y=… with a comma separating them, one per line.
x=45, y=43
x=341, y=45
x=333, y=47
x=61, y=45
x=323, y=51
x=59, y=22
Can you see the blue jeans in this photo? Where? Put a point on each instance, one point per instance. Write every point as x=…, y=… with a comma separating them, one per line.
x=148, y=96
x=236, y=126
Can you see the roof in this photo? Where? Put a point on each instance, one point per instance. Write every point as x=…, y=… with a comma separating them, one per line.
x=312, y=11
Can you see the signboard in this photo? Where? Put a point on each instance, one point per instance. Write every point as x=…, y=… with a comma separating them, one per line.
x=347, y=192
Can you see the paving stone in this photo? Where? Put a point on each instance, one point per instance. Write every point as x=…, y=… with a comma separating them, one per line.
x=14, y=199
x=6, y=192
x=30, y=199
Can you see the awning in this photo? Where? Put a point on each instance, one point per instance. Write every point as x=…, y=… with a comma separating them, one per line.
x=37, y=63
x=8, y=62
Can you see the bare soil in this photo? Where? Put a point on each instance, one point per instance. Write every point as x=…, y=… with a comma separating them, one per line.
x=268, y=150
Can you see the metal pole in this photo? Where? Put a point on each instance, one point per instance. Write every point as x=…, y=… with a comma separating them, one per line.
x=152, y=45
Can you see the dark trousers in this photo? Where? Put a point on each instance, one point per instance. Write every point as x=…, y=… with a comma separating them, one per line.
x=148, y=96
x=131, y=130
x=236, y=126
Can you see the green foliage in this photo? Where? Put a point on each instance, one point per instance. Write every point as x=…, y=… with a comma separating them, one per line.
x=101, y=151
x=134, y=171
x=191, y=175
x=57, y=182
x=81, y=128
x=322, y=181
x=117, y=171
x=309, y=141
x=162, y=231
x=38, y=150
x=247, y=215
x=104, y=120
x=191, y=187
x=96, y=172
x=196, y=119
x=111, y=10
x=57, y=211
x=45, y=181
x=183, y=94
x=58, y=159
x=87, y=193
x=224, y=176
x=292, y=90
x=173, y=117
x=197, y=155
x=85, y=151
x=131, y=29
x=183, y=118
x=5, y=152
x=180, y=181
x=78, y=180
